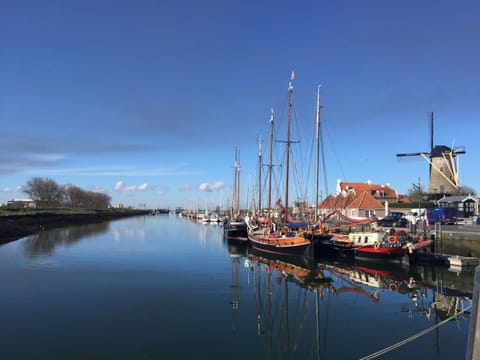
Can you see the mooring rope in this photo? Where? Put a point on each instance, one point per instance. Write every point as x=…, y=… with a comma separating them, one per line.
x=411, y=338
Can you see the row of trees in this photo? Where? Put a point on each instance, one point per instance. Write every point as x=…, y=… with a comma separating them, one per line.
x=47, y=193
x=417, y=193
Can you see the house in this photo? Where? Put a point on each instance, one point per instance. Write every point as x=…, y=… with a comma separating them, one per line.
x=354, y=205
x=21, y=203
x=381, y=193
x=466, y=206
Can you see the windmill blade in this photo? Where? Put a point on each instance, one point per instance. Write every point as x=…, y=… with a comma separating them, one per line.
x=413, y=154
x=459, y=150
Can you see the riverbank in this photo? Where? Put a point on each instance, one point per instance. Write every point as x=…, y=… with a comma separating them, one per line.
x=17, y=224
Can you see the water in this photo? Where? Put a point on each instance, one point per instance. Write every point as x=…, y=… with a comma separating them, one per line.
x=160, y=287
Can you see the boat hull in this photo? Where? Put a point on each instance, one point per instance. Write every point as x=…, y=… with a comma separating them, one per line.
x=381, y=253
x=293, y=244
x=236, y=231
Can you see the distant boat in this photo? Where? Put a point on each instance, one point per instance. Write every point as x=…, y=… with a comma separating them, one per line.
x=279, y=239
x=160, y=211
x=214, y=218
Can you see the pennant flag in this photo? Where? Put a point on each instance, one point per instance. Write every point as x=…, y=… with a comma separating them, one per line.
x=427, y=223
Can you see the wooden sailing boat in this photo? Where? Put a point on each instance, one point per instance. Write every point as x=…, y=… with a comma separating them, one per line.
x=234, y=227
x=281, y=239
x=319, y=237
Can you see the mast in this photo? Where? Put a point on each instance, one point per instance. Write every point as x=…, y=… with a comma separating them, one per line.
x=287, y=160
x=317, y=138
x=234, y=205
x=269, y=221
x=260, y=164
x=235, y=178
x=238, y=182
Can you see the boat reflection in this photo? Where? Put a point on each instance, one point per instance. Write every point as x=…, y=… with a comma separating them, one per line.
x=288, y=290
x=367, y=278
x=427, y=289
x=294, y=296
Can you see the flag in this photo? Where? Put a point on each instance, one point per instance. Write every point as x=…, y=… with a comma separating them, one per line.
x=292, y=77
x=427, y=223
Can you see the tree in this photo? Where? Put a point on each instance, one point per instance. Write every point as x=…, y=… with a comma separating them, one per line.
x=465, y=190
x=45, y=192
x=79, y=198
x=416, y=193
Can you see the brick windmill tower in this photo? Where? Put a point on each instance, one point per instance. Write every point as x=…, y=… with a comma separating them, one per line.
x=443, y=165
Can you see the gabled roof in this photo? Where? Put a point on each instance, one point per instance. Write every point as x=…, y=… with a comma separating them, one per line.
x=351, y=201
x=373, y=189
x=327, y=203
x=365, y=201
x=457, y=199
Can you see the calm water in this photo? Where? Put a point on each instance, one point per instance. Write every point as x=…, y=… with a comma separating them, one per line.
x=166, y=288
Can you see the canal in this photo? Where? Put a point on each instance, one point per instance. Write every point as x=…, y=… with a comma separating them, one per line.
x=163, y=287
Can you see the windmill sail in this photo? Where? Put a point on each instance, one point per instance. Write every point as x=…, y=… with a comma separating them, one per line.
x=444, y=177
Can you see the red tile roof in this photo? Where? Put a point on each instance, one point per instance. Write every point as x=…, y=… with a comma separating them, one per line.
x=351, y=201
x=365, y=201
x=375, y=190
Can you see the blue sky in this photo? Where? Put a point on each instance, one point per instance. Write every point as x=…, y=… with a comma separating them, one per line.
x=146, y=100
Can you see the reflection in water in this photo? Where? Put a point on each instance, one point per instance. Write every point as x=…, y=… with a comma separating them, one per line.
x=293, y=294
x=287, y=292
x=44, y=243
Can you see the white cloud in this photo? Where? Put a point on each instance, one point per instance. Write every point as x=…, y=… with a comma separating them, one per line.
x=211, y=187
x=142, y=187
x=217, y=185
x=14, y=189
x=121, y=186
x=185, y=187
x=204, y=187
x=97, y=189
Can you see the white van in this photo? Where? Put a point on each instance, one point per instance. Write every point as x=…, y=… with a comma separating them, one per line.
x=414, y=215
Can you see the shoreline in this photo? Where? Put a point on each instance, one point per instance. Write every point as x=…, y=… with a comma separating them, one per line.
x=17, y=226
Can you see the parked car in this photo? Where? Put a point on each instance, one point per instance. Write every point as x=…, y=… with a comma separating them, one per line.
x=441, y=215
x=392, y=221
x=397, y=214
x=414, y=215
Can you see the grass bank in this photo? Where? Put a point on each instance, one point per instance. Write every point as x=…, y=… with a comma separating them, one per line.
x=18, y=223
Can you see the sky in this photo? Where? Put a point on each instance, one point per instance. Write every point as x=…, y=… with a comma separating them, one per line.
x=147, y=100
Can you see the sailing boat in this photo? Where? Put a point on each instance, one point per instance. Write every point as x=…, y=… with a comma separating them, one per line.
x=319, y=237
x=235, y=227
x=281, y=239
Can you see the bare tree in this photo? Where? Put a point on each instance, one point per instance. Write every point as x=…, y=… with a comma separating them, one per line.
x=45, y=192
x=465, y=190
x=416, y=193
x=74, y=196
x=79, y=198
x=98, y=200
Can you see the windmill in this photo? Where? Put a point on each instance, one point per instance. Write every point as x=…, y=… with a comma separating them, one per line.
x=443, y=165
